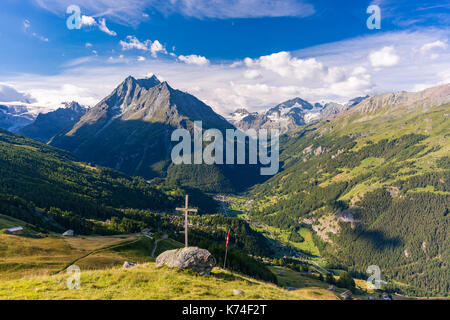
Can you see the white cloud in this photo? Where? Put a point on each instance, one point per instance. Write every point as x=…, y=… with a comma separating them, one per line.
x=130, y=12
x=26, y=24
x=133, y=43
x=87, y=21
x=40, y=37
x=154, y=47
x=385, y=57
x=252, y=74
x=102, y=26
x=9, y=94
x=283, y=64
x=157, y=47
x=141, y=58
x=432, y=45
x=27, y=28
x=88, y=45
x=194, y=59
x=223, y=9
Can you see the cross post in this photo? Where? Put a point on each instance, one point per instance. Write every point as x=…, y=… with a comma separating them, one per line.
x=186, y=209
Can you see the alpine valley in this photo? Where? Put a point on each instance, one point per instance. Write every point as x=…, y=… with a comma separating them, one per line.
x=360, y=184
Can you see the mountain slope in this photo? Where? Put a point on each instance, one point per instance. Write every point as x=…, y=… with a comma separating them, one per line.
x=47, y=125
x=373, y=185
x=130, y=130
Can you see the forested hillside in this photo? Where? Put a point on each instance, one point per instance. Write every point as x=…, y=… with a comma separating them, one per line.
x=373, y=185
x=54, y=181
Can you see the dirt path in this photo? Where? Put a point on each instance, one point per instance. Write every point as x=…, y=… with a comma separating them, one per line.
x=98, y=250
x=154, y=248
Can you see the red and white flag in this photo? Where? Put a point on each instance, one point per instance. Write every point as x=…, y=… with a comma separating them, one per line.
x=228, y=239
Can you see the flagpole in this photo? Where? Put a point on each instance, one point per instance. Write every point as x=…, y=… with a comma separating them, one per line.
x=226, y=250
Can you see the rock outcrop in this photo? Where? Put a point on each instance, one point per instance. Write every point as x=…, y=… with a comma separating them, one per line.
x=196, y=259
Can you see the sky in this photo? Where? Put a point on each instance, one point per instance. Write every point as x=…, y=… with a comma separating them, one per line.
x=229, y=53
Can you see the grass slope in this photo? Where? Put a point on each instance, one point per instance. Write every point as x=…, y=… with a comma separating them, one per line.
x=149, y=282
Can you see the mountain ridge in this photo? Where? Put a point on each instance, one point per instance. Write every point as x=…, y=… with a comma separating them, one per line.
x=47, y=125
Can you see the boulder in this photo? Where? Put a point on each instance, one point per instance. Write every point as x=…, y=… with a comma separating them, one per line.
x=199, y=260
x=237, y=292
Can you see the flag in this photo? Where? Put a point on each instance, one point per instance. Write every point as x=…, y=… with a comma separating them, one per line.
x=228, y=239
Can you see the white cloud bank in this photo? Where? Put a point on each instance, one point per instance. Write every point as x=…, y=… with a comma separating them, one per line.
x=10, y=94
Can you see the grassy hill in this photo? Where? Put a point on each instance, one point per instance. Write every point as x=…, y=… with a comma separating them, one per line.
x=22, y=256
x=373, y=186
x=148, y=282
x=34, y=268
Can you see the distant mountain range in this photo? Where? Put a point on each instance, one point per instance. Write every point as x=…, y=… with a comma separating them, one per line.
x=289, y=115
x=14, y=117
x=47, y=125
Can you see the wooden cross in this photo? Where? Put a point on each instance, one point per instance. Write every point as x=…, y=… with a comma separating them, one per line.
x=186, y=210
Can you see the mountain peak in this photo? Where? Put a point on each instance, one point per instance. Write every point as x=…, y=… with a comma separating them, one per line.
x=296, y=102
x=73, y=105
x=145, y=83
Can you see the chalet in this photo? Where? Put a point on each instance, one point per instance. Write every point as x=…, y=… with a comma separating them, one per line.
x=147, y=232
x=346, y=295
x=15, y=230
x=68, y=233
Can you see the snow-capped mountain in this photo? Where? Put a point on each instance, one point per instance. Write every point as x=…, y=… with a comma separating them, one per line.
x=289, y=115
x=13, y=117
x=47, y=125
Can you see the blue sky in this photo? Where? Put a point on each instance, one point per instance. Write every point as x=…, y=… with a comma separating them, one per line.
x=230, y=53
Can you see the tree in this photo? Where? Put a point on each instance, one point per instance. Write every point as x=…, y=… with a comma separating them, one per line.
x=346, y=281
